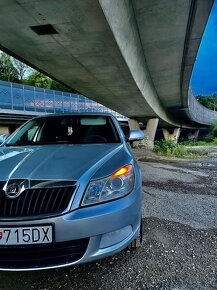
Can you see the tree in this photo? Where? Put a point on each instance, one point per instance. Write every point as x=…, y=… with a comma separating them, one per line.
x=38, y=79
x=208, y=101
x=213, y=130
x=59, y=87
x=13, y=70
x=7, y=70
x=22, y=69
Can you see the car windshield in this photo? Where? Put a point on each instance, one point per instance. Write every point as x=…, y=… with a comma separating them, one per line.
x=3, y=137
x=66, y=129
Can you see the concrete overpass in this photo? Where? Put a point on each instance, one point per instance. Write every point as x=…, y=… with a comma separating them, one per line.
x=135, y=57
x=19, y=103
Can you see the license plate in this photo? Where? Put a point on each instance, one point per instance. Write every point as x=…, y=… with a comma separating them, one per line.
x=26, y=235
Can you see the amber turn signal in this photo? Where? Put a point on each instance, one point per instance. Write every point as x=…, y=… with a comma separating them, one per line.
x=122, y=171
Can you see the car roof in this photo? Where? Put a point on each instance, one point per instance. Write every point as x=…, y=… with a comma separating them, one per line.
x=76, y=114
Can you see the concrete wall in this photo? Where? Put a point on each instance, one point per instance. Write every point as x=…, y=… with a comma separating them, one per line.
x=4, y=129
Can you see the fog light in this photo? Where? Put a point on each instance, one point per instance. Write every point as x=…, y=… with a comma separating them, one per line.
x=112, y=238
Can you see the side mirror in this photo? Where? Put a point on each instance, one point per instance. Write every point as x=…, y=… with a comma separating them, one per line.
x=136, y=135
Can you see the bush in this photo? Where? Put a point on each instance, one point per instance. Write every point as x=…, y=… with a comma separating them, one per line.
x=214, y=142
x=213, y=130
x=188, y=143
x=170, y=148
x=164, y=147
x=207, y=142
x=180, y=151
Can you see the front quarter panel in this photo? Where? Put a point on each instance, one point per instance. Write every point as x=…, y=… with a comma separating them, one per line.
x=121, y=158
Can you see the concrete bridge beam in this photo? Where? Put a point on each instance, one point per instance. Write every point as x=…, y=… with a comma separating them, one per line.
x=132, y=56
x=121, y=19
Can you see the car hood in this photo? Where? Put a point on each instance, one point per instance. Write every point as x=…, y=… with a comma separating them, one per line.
x=67, y=161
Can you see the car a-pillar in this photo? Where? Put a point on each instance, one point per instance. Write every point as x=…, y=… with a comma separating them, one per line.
x=149, y=131
x=174, y=135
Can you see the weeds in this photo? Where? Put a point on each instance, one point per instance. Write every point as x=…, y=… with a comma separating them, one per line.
x=200, y=143
x=171, y=149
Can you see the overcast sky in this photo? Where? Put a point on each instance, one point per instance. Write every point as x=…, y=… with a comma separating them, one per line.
x=204, y=77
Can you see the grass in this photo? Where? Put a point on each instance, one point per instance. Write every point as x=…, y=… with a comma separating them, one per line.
x=200, y=143
x=170, y=149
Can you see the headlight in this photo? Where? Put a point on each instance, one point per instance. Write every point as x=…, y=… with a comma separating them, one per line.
x=118, y=184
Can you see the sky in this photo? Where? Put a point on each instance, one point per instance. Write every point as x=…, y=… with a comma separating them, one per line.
x=204, y=76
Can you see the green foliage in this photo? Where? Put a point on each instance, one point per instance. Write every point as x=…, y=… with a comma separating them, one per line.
x=12, y=70
x=59, y=87
x=164, y=146
x=214, y=141
x=7, y=70
x=38, y=79
x=208, y=101
x=171, y=149
x=201, y=143
x=180, y=151
x=213, y=130
x=23, y=70
x=188, y=143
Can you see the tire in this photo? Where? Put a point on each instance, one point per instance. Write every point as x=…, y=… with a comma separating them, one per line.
x=135, y=244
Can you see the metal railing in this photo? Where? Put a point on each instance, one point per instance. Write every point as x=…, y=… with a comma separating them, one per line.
x=34, y=101
x=198, y=112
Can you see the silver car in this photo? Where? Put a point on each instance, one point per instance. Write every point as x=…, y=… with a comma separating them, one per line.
x=70, y=192
x=3, y=138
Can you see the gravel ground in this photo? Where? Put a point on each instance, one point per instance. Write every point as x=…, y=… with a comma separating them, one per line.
x=179, y=251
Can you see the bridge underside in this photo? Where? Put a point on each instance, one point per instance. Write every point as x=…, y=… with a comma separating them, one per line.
x=14, y=118
x=134, y=57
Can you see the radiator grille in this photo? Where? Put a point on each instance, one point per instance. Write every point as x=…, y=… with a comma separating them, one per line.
x=34, y=202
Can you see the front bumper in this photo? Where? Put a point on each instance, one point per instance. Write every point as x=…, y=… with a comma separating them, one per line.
x=95, y=231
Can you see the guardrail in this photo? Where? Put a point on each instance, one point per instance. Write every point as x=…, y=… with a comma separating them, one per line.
x=34, y=100
x=198, y=112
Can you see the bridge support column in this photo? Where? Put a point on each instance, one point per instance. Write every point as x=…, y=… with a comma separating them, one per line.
x=4, y=129
x=193, y=135
x=150, y=132
x=172, y=136
x=134, y=125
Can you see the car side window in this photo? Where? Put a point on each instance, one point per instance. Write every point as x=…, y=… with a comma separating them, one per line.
x=32, y=132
